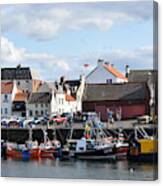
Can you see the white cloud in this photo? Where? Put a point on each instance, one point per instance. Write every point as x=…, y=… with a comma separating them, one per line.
x=9, y=53
x=43, y=22
x=47, y=64
x=51, y=67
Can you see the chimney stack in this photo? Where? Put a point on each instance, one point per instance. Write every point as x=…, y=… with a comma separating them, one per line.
x=100, y=61
x=18, y=66
x=62, y=80
x=127, y=70
x=107, y=63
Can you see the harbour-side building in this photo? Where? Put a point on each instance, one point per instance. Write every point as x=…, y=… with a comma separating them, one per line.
x=26, y=79
x=8, y=91
x=131, y=99
x=105, y=72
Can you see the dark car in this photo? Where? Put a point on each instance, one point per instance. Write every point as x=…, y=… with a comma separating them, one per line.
x=69, y=117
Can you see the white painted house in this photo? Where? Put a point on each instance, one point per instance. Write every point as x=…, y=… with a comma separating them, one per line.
x=57, y=101
x=74, y=91
x=39, y=104
x=56, y=98
x=8, y=91
x=105, y=73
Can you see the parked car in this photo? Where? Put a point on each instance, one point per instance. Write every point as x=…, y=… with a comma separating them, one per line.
x=144, y=119
x=86, y=116
x=44, y=120
x=69, y=116
x=57, y=119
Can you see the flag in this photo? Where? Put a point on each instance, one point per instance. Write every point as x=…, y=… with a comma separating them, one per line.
x=86, y=65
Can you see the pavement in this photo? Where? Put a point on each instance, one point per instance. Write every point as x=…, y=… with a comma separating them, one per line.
x=117, y=124
x=125, y=124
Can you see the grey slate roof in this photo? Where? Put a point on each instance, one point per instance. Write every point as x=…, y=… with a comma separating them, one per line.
x=16, y=73
x=47, y=87
x=19, y=73
x=39, y=97
x=142, y=75
x=115, y=92
x=73, y=83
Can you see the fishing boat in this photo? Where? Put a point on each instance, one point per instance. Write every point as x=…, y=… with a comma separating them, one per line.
x=32, y=150
x=144, y=147
x=121, y=145
x=94, y=145
x=17, y=151
x=94, y=150
x=48, y=147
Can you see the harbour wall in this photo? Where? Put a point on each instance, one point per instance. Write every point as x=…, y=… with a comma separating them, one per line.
x=62, y=134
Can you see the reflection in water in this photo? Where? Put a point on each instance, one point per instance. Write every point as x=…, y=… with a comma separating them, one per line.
x=78, y=169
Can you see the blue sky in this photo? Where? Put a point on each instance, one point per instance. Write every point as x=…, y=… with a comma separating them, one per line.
x=58, y=39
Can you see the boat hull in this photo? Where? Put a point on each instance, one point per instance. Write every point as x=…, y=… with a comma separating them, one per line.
x=47, y=153
x=25, y=154
x=14, y=153
x=96, y=154
x=122, y=152
x=35, y=153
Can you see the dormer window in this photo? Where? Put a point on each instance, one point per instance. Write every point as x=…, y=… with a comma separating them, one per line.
x=73, y=89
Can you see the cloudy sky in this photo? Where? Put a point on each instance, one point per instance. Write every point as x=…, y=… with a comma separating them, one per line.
x=58, y=39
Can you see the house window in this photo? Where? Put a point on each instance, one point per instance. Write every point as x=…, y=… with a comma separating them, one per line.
x=36, y=112
x=27, y=81
x=109, y=81
x=6, y=97
x=42, y=105
x=42, y=112
x=6, y=111
x=36, y=105
x=18, y=83
x=60, y=100
x=30, y=113
x=74, y=89
x=46, y=105
x=1, y=111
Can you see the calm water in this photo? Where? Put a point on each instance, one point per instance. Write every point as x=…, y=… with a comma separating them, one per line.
x=77, y=169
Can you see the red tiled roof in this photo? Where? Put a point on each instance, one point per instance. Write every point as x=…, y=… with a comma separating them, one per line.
x=6, y=87
x=21, y=96
x=69, y=98
x=114, y=71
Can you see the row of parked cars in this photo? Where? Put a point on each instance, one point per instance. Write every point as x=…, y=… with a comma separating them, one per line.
x=23, y=122
x=54, y=119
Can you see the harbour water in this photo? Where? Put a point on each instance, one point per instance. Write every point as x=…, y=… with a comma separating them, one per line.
x=75, y=169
